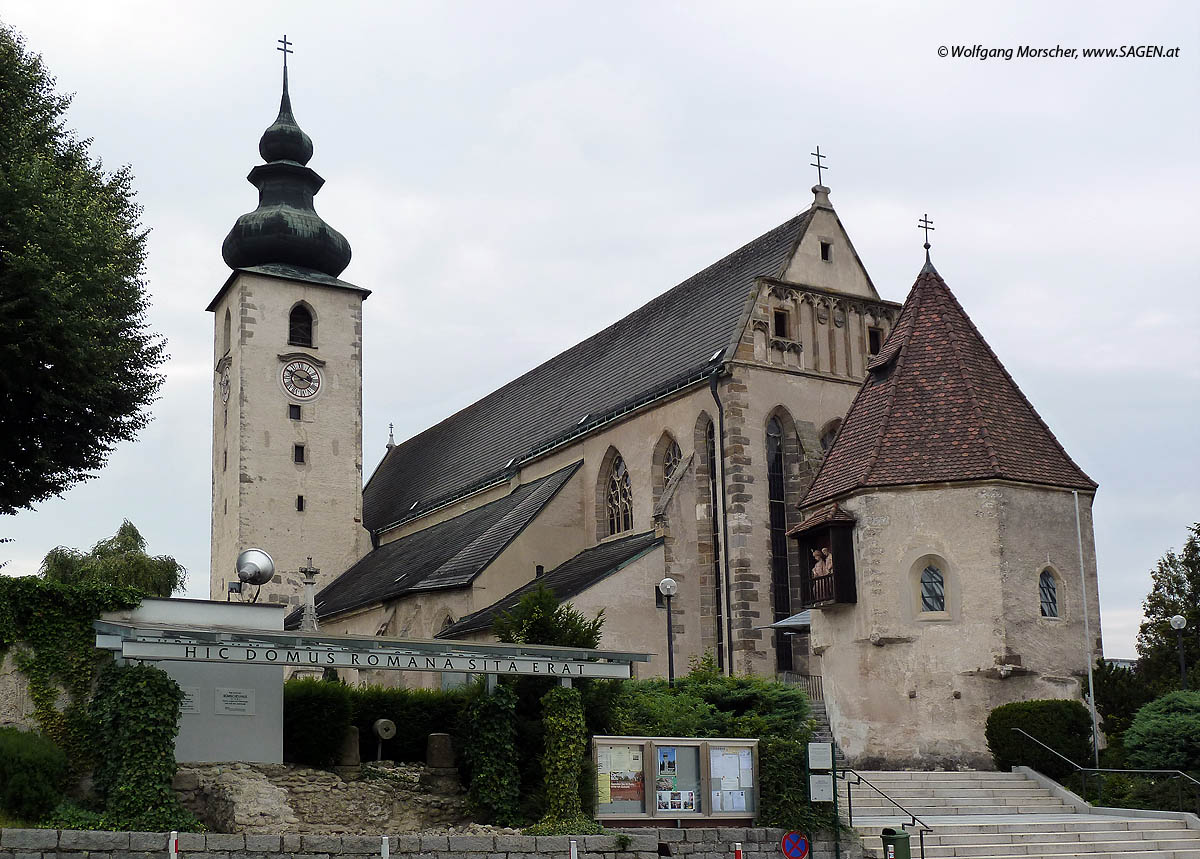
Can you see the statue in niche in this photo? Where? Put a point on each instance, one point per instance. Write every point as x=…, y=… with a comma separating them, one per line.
x=819, y=568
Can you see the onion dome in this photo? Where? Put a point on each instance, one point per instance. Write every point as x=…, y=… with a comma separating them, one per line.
x=285, y=229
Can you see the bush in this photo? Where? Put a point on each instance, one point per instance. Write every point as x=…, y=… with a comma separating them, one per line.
x=1165, y=734
x=1063, y=725
x=32, y=773
x=417, y=714
x=783, y=794
x=495, y=787
x=316, y=716
x=566, y=744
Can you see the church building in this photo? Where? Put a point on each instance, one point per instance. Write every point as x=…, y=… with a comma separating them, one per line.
x=701, y=437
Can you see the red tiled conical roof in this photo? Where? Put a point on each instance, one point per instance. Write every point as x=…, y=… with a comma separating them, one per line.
x=938, y=406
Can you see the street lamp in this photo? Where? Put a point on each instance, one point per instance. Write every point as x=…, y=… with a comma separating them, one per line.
x=1178, y=622
x=669, y=587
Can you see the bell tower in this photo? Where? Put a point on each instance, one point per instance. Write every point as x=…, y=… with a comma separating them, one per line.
x=287, y=379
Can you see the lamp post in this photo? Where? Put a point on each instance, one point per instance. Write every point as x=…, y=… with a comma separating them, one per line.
x=1178, y=622
x=669, y=587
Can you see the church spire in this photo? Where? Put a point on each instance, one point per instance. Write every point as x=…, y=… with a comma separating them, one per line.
x=285, y=229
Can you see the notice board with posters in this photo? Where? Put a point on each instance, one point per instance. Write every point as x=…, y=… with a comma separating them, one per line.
x=675, y=778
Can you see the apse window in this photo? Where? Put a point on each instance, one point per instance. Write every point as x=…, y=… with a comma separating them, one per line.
x=298, y=453
x=293, y=411
x=300, y=503
x=1048, y=590
x=783, y=327
x=933, y=589
x=874, y=340
x=827, y=251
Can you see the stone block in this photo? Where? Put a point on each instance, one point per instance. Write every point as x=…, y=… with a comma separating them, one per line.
x=434, y=842
x=734, y=833
x=148, y=841
x=263, y=843
x=363, y=844
x=698, y=836
x=552, y=844
x=516, y=844
x=320, y=844
x=439, y=751
x=404, y=843
x=224, y=842
x=671, y=836
x=25, y=855
x=29, y=839
x=185, y=781
x=472, y=844
x=305, y=856
x=642, y=843
x=600, y=843
x=646, y=854
x=220, y=854
x=290, y=843
x=74, y=839
x=191, y=842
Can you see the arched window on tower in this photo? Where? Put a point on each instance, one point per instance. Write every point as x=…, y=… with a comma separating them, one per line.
x=227, y=335
x=300, y=326
x=933, y=589
x=1048, y=590
x=620, y=498
x=781, y=590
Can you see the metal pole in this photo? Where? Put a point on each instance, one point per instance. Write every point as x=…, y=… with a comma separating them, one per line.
x=1087, y=636
x=670, y=646
x=1182, y=661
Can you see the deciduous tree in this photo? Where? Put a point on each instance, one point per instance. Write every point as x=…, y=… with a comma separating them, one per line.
x=119, y=560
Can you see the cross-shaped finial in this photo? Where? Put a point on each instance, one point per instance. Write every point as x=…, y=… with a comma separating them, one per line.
x=818, y=164
x=286, y=50
x=926, y=225
x=391, y=442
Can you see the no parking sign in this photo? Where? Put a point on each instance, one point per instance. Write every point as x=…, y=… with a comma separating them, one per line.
x=795, y=845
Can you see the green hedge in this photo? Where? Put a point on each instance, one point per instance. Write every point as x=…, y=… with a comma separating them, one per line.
x=1063, y=725
x=316, y=716
x=33, y=771
x=566, y=745
x=1165, y=733
x=491, y=752
x=417, y=714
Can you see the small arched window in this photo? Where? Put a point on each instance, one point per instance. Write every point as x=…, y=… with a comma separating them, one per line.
x=933, y=589
x=620, y=498
x=671, y=458
x=830, y=433
x=300, y=326
x=1048, y=590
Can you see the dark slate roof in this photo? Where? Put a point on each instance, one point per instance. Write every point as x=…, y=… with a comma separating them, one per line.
x=449, y=554
x=564, y=581
x=938, y=406
x=663, y=345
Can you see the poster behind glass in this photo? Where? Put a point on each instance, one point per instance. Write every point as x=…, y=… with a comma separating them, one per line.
x=620, y=779
x=731, y=780
x=676, y=780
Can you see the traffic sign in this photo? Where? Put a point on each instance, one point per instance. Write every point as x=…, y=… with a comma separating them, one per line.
x=795, y=846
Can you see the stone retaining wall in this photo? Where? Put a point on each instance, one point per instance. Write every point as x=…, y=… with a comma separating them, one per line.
x=632, y=844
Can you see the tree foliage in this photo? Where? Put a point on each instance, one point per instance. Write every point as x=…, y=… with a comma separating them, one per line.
x=77, y=364
x=1165, y=734
x=539, y=619
x=1120, y=693
x=119, y=560
x=1175, y=590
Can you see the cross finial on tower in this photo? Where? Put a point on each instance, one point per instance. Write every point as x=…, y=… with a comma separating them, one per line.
x=391, y=441
x=818, y=164
x=286, y=50
x=926, y=225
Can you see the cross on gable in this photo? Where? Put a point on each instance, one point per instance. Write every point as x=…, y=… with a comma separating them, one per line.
x=818, y=164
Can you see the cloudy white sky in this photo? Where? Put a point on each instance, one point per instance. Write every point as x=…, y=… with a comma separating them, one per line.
x=515, y=175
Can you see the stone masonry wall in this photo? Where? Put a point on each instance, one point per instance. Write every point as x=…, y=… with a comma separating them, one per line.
x=631, y=844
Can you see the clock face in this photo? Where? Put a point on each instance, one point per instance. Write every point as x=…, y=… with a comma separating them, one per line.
x=225, y=386
x=301, y=379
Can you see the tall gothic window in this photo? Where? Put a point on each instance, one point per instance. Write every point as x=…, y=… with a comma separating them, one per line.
x=1048, y=589
x=933, y=589
x=780, y=586
x=620, y=498
x=300, y=326
x=714, y=500
x=671, y=459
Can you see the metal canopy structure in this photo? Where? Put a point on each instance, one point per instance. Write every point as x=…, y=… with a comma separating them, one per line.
x=160, y=642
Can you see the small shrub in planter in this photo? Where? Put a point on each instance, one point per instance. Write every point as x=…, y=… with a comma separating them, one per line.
x=32, y=773
x=1165, y=733
x=316, y=716
x=1065, y=726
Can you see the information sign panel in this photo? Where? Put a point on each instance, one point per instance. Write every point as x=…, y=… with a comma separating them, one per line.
x=820, y=787
x=820, y=756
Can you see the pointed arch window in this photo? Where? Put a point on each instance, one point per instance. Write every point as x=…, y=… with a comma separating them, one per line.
x=300, y=326
x=620, y=498
x=1048, y=590
x=781, y=590
x=933, y=589
x=671, y=459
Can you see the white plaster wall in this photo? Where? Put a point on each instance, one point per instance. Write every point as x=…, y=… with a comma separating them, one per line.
x=843, y=274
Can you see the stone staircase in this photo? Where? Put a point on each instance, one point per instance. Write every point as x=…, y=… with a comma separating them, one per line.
x=992, y=815
x=823, y=733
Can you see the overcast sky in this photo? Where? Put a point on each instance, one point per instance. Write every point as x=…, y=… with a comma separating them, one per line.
x=513, y=176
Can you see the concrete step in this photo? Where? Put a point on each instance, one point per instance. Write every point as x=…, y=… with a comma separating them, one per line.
x=942, y=839
x=1054, y=848
x=1066, y=827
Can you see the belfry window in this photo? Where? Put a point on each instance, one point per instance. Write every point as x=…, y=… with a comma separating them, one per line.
x=1048, y=590
x=781, y=591
x=300, y=326
x=620, y=498
x=782, y=328
x=933, y=589
x=671, y=458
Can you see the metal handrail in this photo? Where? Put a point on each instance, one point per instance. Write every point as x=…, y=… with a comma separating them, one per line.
x=913, y=820
x=1083, y=771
